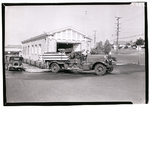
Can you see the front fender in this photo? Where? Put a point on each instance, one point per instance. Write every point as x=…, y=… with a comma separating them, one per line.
x=93, y=65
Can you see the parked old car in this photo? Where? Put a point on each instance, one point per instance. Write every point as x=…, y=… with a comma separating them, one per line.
x=14, y=62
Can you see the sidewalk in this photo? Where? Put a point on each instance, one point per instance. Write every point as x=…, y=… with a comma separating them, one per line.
x=30, y=68
x=34, y=69
x=119, y=63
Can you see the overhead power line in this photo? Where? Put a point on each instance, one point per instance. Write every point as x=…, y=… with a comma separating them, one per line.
x=129, y=36
x=117, y=31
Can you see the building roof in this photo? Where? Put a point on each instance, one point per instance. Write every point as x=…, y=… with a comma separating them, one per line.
x=45, y=34
x=13, y=48
x=63, y=29
x=35, y=37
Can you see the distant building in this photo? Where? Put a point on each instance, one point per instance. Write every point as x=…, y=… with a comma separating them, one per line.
x=66, y=38
x=122, y=44
x=13, y=50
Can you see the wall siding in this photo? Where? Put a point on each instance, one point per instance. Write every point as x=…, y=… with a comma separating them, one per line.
x=52, y=46
x=50, y=43
x=34, y=56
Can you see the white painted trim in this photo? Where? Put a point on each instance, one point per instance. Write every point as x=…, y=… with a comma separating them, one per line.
x=71, y=35
x=76, y=36
x=66, y=34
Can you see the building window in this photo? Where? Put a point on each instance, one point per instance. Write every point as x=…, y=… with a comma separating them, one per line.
x=39, y=49
x=32, y=49
x=35, y=49
x=25, y=51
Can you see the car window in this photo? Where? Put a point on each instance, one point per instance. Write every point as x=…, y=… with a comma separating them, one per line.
x=16, y=58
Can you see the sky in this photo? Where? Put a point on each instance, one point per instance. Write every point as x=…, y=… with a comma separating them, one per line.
x=23, y=22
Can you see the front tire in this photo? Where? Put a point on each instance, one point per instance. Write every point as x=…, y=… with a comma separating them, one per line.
x=6, y=66
x=109, y=70
x=55, y=67
x=100, y=69
x=9, y=68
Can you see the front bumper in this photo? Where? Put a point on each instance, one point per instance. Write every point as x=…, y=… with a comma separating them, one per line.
x=16, y=67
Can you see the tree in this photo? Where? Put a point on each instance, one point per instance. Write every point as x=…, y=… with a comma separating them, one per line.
x=99, y=45
x=139, y=41
x=107, y=47
x=99, y=48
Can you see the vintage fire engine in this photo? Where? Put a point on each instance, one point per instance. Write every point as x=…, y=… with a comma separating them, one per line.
x=102, y=64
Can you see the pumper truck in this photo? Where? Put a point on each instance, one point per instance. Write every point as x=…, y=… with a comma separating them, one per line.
x=76, y=60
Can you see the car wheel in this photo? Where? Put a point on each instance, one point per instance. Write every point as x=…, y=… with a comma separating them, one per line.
x=109, y=70
x=9, y=68
x=100, y=69
x=55, y=67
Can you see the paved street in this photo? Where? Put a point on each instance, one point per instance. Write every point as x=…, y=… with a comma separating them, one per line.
x=125, y=83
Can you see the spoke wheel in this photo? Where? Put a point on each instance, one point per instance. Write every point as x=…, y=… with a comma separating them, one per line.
x=55, y=67
x=100, y=69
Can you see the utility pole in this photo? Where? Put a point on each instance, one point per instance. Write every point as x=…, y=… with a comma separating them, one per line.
x=86, y=23
x=117, y=32
x=94, y=38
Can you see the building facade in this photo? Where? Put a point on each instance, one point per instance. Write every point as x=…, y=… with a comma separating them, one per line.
x=67, y=38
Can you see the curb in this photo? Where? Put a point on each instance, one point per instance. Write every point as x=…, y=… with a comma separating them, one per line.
x=36, y=70
x=32, y=69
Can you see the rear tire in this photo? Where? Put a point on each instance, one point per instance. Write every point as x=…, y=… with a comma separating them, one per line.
x=100, y=69
x=55, y=67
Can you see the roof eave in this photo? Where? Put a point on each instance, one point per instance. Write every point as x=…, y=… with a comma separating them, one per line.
x=44, y=35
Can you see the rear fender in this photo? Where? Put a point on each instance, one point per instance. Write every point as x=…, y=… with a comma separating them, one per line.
x=57, y=62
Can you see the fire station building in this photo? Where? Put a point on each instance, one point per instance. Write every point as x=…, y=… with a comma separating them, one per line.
x=67, y=38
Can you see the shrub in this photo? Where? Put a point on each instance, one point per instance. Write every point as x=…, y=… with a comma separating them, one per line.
x=139, y=41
